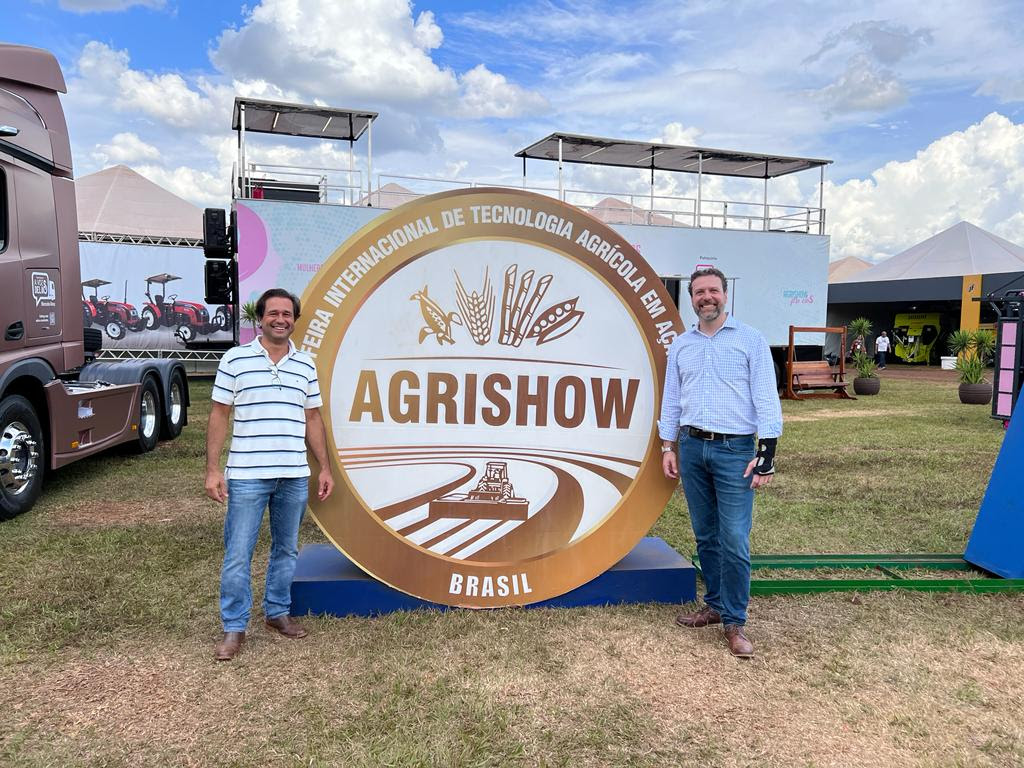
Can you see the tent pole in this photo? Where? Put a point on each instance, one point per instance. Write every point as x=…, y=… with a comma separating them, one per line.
x=765, y=195
x=241, y=150
x=369, y=162
x=561, y=189
x=821, y=202
x=524, y=171
x=700, y=183
x=652, y=187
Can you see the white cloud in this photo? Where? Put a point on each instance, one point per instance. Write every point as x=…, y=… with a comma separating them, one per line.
x=106, y=75
x=1005, y=89
x=363, y=50
x=102, y=6
x=125, y=148
x=975, y=175
x=863, y=87
x=488, y=94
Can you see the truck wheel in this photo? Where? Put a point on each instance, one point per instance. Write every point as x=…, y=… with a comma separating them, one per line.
x=21, y=462
x=149, y=416
x=150, y=319
x=174, y=415
x=114, y=330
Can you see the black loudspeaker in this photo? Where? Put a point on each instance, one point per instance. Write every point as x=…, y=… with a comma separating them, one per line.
x=220, y=287
x=215, y=234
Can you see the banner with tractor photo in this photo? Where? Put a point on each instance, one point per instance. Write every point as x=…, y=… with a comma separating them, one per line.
x=146, y=297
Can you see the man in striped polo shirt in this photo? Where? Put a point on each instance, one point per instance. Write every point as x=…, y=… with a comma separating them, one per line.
x=720, y=390
x=275, y=394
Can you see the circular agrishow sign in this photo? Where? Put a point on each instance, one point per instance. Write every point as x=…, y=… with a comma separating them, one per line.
x=491, y=363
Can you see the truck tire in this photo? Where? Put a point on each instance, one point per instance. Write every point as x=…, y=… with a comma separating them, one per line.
x=21, y=456
x=149, y=416
x=174, y=413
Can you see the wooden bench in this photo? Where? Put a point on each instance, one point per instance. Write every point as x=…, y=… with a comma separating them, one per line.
x=815, y=378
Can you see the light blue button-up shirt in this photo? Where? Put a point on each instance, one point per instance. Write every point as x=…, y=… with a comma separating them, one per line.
x=720, y=383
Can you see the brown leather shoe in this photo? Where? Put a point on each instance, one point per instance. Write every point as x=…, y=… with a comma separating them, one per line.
x=285, y=626
x=702, y=618
x=229, y=646
x=739, y=645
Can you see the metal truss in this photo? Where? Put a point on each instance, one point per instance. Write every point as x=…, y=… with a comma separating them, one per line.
x=173, y=354
x=106, y=237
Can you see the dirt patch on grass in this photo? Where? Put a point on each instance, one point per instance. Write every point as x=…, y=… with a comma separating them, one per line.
x=835, y=414
x=101, y=513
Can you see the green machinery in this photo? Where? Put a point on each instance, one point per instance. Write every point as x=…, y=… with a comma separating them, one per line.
x=914, y=335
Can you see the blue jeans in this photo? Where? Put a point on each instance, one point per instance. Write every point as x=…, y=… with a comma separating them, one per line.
x=721, y=505
x=247, y=499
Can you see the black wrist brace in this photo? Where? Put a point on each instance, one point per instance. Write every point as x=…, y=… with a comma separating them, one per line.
x=765, y=456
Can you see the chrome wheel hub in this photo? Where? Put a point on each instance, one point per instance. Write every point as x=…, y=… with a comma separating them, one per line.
x=147, y=416
x=19, y=458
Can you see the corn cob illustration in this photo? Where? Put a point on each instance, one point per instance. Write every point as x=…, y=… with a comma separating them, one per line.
x=438, y=322
x=477, y=309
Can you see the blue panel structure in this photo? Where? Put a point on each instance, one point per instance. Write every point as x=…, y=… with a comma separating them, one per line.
x=997, y=541
x=327, y=583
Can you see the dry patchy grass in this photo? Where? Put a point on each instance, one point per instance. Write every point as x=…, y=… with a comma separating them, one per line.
x=108, y=618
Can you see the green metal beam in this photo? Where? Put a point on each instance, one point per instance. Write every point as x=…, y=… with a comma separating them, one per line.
x=806, y=586
x=888, y=564
x=940, y=561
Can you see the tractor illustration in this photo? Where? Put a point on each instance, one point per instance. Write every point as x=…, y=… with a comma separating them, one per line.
x=224, y=318
x=115, y=317
x=188, y=318
x=494, y=498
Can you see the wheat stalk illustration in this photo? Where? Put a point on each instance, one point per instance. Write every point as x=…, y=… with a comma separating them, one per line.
x=477, y=309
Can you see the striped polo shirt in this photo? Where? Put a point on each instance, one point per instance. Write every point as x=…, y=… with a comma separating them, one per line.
x=270, y=402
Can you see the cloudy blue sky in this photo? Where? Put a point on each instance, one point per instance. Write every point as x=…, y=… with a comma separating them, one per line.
x=919, y=104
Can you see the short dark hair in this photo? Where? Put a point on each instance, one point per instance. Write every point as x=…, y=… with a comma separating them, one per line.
x=276, y=293
x=704, y=272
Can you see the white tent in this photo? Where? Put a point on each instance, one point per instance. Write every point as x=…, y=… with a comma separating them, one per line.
x=845, y=268
x=119, y=201
x=963, y=249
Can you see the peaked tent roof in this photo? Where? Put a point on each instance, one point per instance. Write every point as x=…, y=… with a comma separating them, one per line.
x=119, y=201
x=845, y=268
x=963, y=249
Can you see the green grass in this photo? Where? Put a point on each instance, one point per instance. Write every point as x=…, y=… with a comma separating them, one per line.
x=108, y=615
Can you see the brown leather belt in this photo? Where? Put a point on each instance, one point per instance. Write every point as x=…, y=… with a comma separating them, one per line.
x=704, y=435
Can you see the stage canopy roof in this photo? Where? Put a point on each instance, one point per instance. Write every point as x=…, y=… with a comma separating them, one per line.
x=119, y=201
x=301, y=119
x=593, y=150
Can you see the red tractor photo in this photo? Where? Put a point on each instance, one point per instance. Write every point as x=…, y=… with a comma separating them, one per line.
x=115, y=317
x=188, y=318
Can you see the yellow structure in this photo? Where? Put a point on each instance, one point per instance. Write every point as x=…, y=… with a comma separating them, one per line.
x=914, y=335
x=970, y=310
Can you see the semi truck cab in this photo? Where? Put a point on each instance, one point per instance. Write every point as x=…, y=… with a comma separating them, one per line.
x=56, y=403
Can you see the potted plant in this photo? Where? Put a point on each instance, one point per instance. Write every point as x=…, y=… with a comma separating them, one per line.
x=973, y=350
x=866, y=382
x=859, y=329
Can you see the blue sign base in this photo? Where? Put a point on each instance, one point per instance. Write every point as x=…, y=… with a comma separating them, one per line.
x=997, y=540
x=328, y=583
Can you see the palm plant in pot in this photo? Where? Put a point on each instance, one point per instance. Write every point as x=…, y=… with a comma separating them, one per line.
x=865, y=382
x=973, y=350
x=859, y=328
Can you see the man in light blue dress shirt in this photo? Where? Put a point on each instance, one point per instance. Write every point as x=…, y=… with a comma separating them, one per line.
x=721, y=412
